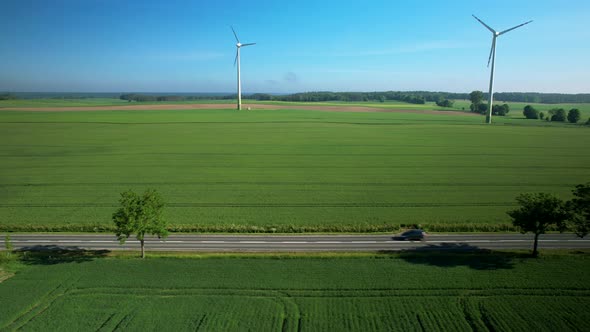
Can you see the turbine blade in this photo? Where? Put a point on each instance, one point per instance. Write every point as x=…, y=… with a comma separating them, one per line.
x=485, y=25
x=492, y=50
x=235, y=35
x=236, y=59
x=248, y=44
x=518, y=26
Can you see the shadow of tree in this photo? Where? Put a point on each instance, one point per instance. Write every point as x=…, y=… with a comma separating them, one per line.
x=459, y=254
x=52, y=254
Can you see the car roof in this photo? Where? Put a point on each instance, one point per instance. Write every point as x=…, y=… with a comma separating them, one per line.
x=413, y=231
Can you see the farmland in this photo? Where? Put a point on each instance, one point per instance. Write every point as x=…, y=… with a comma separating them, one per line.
x=287, y=170
x=408, y=291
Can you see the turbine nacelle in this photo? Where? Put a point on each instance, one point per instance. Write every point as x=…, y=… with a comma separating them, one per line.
x=239, y=45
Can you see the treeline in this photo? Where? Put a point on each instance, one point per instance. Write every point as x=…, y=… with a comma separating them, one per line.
x=542, y=98
x=145, y=97
x=419, y=97
x=352, y=97
x=7, y=96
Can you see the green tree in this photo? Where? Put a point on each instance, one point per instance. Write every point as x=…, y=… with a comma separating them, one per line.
x=530, y=112
x=501, y=110
x=557, y=114
x=482, y=108
x=580, y=209
x=541, y=115
x=140, y=215
x=476, y=98
x=444, y=102
x=573, y=116
x=537, y=213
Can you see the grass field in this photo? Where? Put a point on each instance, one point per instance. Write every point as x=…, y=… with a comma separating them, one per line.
x=400, y=292
x=220, y=170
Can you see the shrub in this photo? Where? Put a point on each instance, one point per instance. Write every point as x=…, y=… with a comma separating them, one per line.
x=541, y=115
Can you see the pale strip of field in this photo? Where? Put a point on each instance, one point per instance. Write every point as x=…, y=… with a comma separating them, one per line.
x=343, y=108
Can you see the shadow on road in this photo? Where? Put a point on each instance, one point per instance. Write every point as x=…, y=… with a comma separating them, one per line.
x=459, y=254
x=52, y=254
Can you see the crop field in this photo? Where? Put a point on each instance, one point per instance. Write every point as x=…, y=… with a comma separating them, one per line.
x=220, y=170
x=402, y=292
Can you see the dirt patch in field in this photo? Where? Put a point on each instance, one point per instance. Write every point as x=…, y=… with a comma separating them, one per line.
x=343, y=108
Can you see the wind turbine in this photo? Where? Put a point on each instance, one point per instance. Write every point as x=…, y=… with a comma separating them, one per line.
x=237, y=60
x=492, y=58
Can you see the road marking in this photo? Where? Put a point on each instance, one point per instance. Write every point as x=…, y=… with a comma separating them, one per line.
x=252, y=242
x=293, y=242
x=211, y=241
x=328, y=242
x=361, y=242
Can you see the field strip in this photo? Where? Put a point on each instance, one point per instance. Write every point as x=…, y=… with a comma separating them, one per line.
x=277, y=292
x=297, y=242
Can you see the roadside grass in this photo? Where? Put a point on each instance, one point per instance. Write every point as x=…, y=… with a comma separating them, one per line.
x=280, y=171
x=358, y=292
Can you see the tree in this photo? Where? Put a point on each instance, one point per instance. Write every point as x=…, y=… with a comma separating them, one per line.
x=580, y=209
x=444, y=102
x=541, y=115
x=139, y=215
x=476, y=98
x=537, y=213
x=482, y=108
x=557, y=114
x=530, y=112
x=501, y=110
x=573, y=116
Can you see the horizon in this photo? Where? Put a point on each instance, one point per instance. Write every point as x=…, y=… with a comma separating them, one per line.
x=227, y=93
x=95, y=46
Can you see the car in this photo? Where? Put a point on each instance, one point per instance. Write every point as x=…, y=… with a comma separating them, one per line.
x=412, y=235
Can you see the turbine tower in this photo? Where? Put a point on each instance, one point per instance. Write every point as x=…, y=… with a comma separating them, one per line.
x=237, y=60
x=492, y=58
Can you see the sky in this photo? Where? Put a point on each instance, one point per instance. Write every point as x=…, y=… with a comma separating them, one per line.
x=188, y=46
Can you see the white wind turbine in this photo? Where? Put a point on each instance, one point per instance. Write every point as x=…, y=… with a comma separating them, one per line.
x=492, y=57
x=237, y=60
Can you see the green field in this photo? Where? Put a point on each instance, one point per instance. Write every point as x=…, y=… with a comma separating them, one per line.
x=400, y=292
x=280, y=170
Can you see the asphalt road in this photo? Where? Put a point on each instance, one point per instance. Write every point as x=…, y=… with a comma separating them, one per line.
x=294, y=243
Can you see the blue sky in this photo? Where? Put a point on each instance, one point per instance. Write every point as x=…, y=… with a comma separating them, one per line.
x=187, y=46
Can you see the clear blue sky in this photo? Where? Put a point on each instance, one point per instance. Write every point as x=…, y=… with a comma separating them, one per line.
x=187, y=46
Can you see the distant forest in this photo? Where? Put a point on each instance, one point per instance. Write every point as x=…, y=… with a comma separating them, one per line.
x=415, y=97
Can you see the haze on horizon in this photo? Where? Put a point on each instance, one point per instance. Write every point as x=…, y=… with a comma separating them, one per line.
x=188, y=46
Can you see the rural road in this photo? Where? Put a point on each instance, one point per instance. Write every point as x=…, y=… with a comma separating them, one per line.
x=296, y=243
